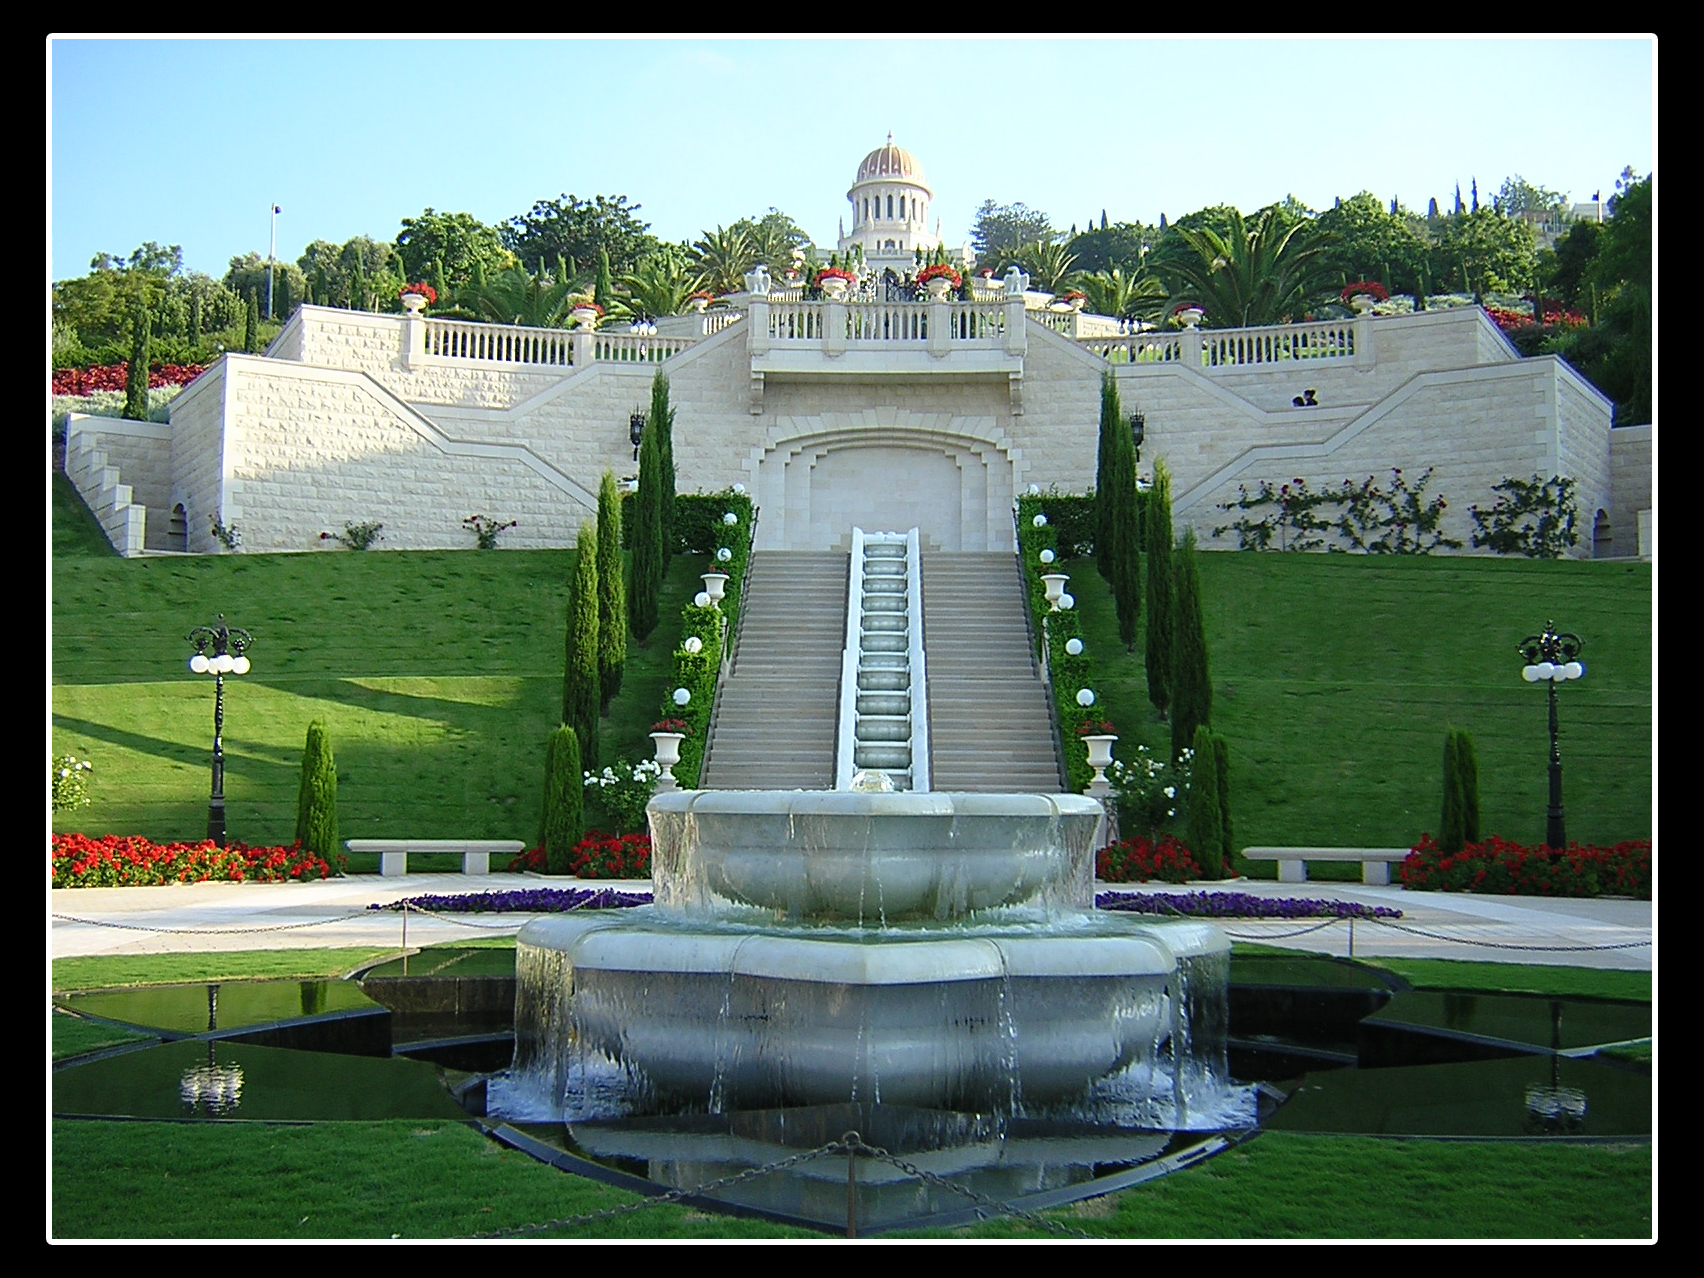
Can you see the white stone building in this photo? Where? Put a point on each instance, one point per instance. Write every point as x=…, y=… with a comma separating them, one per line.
x=885, y=414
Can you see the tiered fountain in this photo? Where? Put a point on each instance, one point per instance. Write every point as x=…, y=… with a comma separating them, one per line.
x=922, y=949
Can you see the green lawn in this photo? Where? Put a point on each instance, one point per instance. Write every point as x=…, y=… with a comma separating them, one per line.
x=1336, y=676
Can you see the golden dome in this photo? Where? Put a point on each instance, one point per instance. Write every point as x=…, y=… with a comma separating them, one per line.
x=892, y=161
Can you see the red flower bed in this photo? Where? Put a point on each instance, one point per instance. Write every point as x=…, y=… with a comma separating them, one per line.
x=110, y=377
x=1499, y=866
x=597, y=856
x=116, y=861
x=1143, y=860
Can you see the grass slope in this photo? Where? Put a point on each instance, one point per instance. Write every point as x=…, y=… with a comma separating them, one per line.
x=1336, y=676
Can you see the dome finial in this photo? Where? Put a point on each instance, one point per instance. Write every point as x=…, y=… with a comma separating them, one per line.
x=890, y=137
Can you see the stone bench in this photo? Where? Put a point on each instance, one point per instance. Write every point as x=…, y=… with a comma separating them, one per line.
x=1293, y=862
x=476, y=854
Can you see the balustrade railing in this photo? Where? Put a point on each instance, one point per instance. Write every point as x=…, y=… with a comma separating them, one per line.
x=499, y=343
x=875, y=322
x=1328, y=339
x=1137, y=348
x=636, y=348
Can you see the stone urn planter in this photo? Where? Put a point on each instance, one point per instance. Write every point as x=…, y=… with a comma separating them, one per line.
x=698, y=304
x=939, y=288
x=584, y=316
x=1363, y=303
x=667, y=747
x=715, y=585
x=1190, y=316
x=1100, y=755
x=834, y=288
x=414, y=303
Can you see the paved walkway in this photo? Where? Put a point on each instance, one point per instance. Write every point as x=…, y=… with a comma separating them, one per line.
x=334, y=913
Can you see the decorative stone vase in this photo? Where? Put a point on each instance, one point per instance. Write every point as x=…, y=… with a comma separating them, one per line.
x=715, y=585
x=667, y=746
x=939, y=288
x=1363, y=303
x=1100, y=754
x=584, y=316
x=698, y=304
x=414, y=303
x=834, y=288
x=1076, y=303
x=1054, y=584
x=1192, y=316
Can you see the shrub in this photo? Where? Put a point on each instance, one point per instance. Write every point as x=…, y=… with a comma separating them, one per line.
x=1511, y=869
x=1206, y=816
x=1149, y=790
x=316, y=798
x=582, y=690
x=597, y=856
x=1191, y=686
x=1533, y=517
x=1157, y=540
x=623, y=789
x=68, y=778
x=563, y=822
x=486, y=530
x=1458, y=823
x=1142, y=860
x=357, y=536
x=612, y=593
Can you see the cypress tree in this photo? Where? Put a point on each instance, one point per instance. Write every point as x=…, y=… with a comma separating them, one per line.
x=581, y=688
x=195, y=319
x=316, y=800
x=1222, y=765
x=646, y=567
x=1468, y=764
x=1191, y=688
x=1157, y=541
x=1450, y=836
x=1206, y=814
x=436, y=280
x=1105, y=553
x=563, y=823
x=1121, y=531
x=284, y=301
x=251, y=324
x=136, y=375
x=603, y=292
x=661, y=422
x=612, y=592
x=357, y=285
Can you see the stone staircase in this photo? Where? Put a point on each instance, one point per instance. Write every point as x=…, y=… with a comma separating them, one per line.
x=774, y=727
x=989, y=725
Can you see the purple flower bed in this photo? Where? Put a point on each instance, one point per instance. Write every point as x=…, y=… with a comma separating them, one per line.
x=524, y=901
x=1239, y=905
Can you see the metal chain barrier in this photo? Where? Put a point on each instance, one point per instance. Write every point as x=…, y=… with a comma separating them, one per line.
x=984, y=1203
x=1509, y=945
x=209, y=931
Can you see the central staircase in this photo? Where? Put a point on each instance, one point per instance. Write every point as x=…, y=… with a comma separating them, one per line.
x=989, y=723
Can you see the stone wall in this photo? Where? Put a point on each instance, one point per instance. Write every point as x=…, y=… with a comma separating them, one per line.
x=120, y=468
x=198, y=445
x=1631, y=469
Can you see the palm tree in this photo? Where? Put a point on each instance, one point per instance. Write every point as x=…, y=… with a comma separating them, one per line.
x=659, y=284
x=514, y=297
x=1048, y=262
x=1260, y=275
x=1136, y=295
x=723, y=257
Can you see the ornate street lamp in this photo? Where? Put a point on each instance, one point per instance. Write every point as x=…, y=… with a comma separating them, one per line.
x=218, y=651
x=1138, y=432
x=1554, y=658
x=636, y=432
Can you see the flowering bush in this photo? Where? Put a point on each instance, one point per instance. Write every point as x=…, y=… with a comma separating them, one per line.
x=1498, y=866
x=1366, y=288
x=420, y=287
x=834, y=273
x=672, y=725
x=1095, y=728
x=1141, y=860
x=587, y=304
x=598, y=856
x=486, y=530
x=624, y=789
x=1181, y=307
x=522, y=901
x=1073, y=295
x=69, y=777
x=356, y=536
x=111, y=377
x=940, y=271
x=1149, y=791
x=117, y=861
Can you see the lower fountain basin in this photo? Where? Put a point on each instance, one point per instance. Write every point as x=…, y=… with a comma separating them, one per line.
x=985, y=1018
x=870, y=857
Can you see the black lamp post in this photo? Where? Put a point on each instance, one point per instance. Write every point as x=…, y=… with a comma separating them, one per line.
x=1554, y=658
x=218, y=651
x=636, y=432
x=1138, y=432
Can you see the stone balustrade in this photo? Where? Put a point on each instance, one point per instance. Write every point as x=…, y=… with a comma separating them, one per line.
x=499, y=343
x=874, y=323
x=1236, y=347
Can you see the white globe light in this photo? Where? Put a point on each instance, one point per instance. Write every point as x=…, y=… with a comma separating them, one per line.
x=198, y=663
x=740, y=488
x=1074, y=647
x=1067, y=601
x=1529, y=673
x=730, y=519
x=1085, y=697
x=1575, y=670
x=240, y=666
x=1546, y=670
x=693, y=644
x=222, y=663
x=681, y=696
x=1040, y=521
x=1047, y=556
x=702, y=599
x=1035, y=490
x=724, y=554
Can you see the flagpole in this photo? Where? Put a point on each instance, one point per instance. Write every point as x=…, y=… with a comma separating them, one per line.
x=271, y=260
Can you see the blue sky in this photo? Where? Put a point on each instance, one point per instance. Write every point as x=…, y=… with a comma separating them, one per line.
x=191, y=141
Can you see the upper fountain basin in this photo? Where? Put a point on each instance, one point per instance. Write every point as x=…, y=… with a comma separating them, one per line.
x=870, y=857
